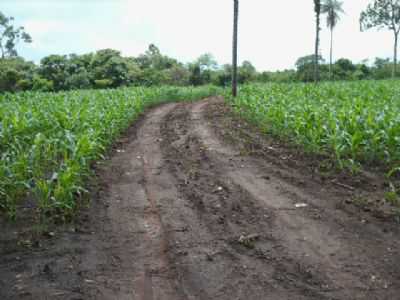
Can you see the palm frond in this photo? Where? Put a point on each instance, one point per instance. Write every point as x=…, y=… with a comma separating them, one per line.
x=333, y=9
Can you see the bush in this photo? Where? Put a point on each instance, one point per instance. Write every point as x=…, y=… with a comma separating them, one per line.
x=103, y=83
x=42, y=85
x=24, y=85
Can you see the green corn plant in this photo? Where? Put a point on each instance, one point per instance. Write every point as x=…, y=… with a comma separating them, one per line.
x=49, y=140
x=355, y=122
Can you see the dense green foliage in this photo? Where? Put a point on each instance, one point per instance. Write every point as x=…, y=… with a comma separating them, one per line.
x=109, y=69
x=48, y=140
x=354, y=122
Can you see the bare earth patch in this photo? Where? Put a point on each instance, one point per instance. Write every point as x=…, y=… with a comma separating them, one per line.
x=188, y=208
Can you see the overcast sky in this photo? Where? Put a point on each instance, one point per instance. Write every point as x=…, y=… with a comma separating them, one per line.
x=273, y=33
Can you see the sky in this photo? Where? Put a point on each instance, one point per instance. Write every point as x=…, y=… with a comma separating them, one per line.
x=272, y=33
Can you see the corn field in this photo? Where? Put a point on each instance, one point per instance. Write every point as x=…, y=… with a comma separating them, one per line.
x=355, y=123
x=49, y=140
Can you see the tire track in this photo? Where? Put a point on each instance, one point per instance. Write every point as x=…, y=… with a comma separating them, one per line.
x=320, y=256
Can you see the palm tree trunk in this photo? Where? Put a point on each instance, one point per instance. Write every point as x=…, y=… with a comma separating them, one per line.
x=235, y=47
x=317, y=7
x=331, y=56
x=396, y=38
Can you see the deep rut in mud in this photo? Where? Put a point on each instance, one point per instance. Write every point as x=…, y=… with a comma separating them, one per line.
x=183, y=214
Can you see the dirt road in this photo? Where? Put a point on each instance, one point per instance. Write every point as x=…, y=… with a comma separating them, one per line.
x=182, y=212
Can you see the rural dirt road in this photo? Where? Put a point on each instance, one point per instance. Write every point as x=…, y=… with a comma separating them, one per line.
x=181, y=211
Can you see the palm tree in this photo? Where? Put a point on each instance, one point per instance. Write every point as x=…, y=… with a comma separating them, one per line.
x=235, y=46
x=333, y=9
x=317, y=9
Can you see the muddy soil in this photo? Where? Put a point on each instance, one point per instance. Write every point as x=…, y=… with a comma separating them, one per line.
x=183, y=209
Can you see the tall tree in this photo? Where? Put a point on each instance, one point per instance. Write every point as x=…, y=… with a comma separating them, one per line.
x=235, y=46
x=317, y=10
x=11, y=36
x=332, y=9
x=383, y=14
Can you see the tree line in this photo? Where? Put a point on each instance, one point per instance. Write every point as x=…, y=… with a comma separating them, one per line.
x=109, y=69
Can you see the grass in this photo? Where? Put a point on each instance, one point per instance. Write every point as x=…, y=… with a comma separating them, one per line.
x=49, y=140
